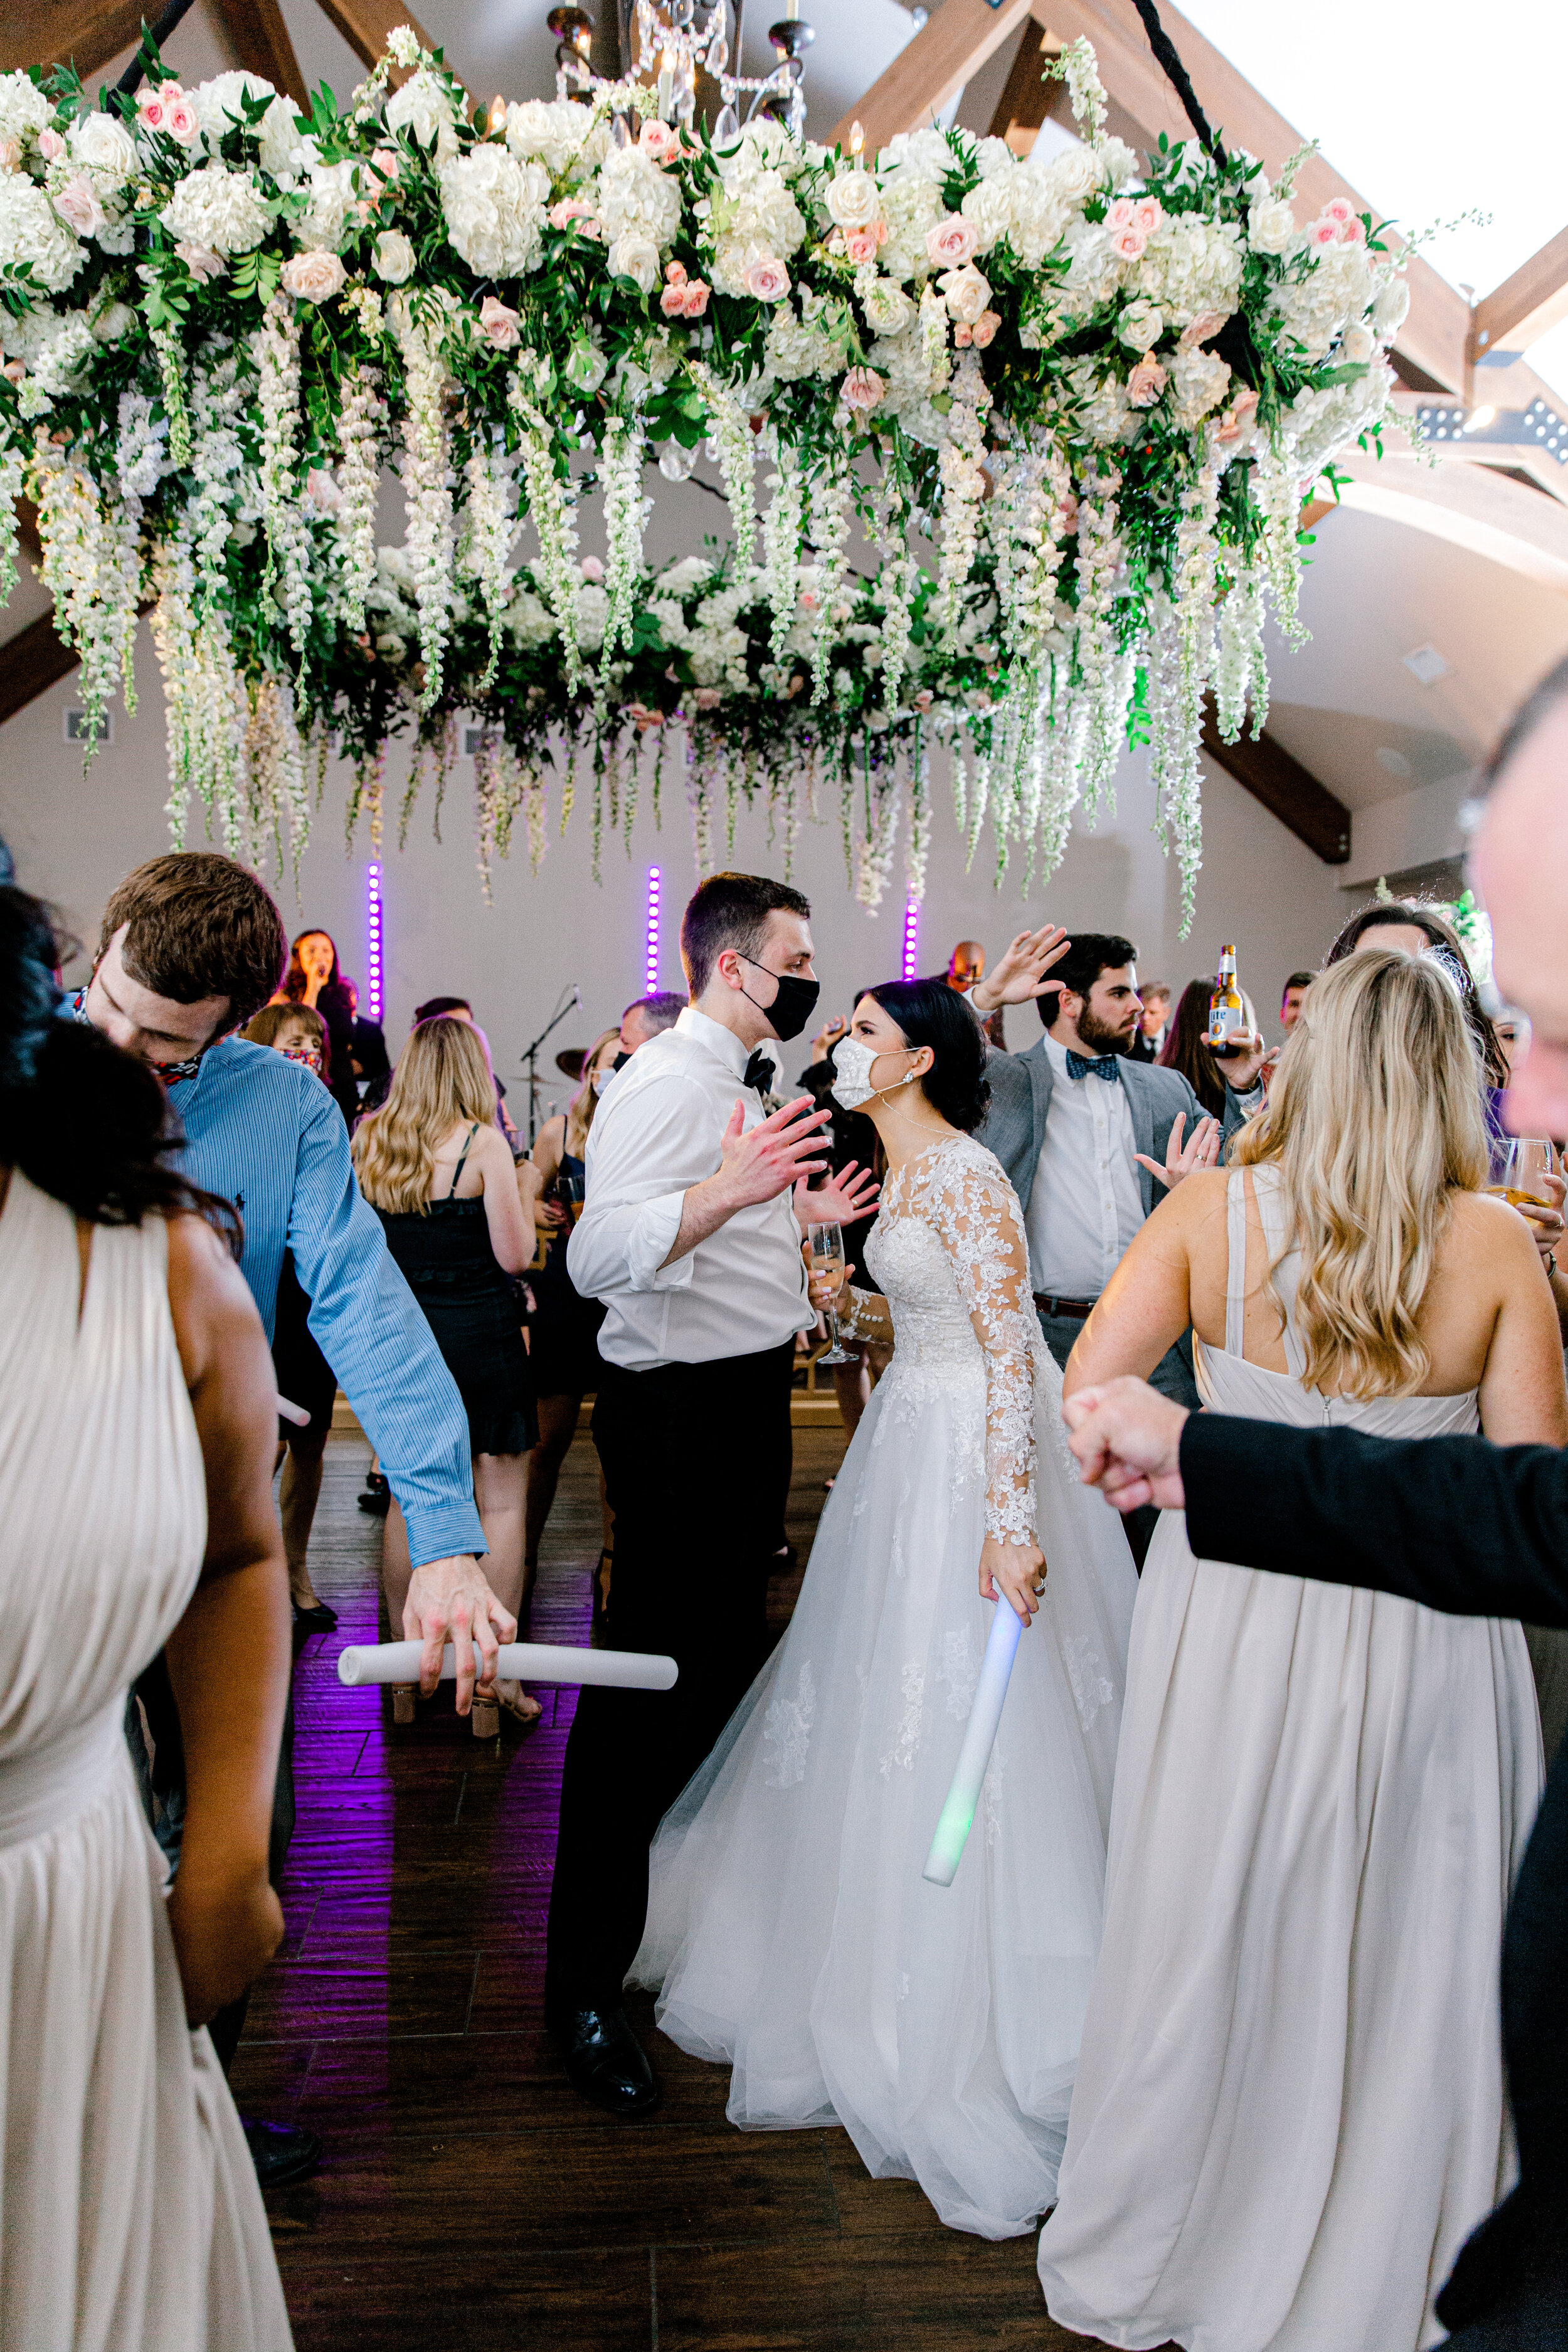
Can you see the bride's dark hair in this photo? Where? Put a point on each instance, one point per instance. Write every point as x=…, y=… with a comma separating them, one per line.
x=930, y=1013
x=84, y=1122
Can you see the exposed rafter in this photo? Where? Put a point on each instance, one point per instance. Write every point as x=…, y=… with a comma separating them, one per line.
x=34, y=660
x=366, y=25
x=261, y=41
x=1527, y=304
x=1287, y=789
x=87, y=32
x=948, y=49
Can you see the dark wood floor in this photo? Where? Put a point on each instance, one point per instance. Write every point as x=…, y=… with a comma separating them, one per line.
x=467, y=2198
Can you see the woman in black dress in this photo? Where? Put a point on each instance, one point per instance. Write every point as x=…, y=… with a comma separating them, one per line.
x=459, y=1222
x=563, y=1340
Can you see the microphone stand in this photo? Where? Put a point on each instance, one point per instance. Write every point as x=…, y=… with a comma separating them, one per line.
x=531, y=1057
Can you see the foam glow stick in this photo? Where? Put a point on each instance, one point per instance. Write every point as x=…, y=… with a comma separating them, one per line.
x=294, y=1412
x=527, y=1662
x=979, y=1736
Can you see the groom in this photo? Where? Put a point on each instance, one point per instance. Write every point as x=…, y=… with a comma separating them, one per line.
x=691, y=1238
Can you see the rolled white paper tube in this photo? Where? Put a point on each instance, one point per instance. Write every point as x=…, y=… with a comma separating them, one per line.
x=294, y=1412
x=526, y=1662
x=974, y=1755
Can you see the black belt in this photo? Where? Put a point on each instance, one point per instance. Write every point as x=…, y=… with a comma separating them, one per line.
x=1079, y=1309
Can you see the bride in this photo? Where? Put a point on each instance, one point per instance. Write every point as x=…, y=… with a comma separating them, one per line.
x=1290, y=2110
x=789, y=1924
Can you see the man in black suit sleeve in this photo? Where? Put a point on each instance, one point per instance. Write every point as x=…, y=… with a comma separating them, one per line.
x=1450, y=1522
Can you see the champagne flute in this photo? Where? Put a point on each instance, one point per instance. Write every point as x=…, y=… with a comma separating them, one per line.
x=827, y=1246
x=569, y=1190
x=1519, y=1162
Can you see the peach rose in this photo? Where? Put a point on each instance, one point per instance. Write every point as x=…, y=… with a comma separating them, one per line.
x=707, y=698
x=963, y=337
x=10, y=154
x=1236, y=419
x=77, y=205
x=201, y=261
x=1207, y=323
x=767, y=279
x=984, y=327
x=862, y=388
x=14, y=371
x=313, y=277
x=1067, y=514
x=696, y=291
x=1146, y=382
x=498, y=325
x=951, y=242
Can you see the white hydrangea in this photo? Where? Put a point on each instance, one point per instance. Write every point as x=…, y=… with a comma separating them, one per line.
x=911, y=205
x=637, y=198
x=101, y=144
x=1021, y=205
x=672, y=620
x=319, y=227
x=1199, y=381
x=23, y=108
x=757, y=209
x=218, y=104
x=1191, y=266
x=681, y=579
x=797, y=346
x=495, y=210
x=31, y=231
x=218, y=208
x=551, y=131
x=1094, y=271
x=1335, y=291
x=283, y=149
x=65, y=354
x=1390, y=310
x=423, y=107
x=1105, y=414
x=916, y=155
x=910, y=376
x=527, y=621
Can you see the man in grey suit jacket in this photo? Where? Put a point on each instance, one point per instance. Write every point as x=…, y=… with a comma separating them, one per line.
x=1089, y=1137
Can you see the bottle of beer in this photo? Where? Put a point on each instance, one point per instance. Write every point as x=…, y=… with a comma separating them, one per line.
x=1228, y=1015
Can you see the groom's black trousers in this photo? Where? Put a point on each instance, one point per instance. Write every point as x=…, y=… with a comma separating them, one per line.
x=697, y=1463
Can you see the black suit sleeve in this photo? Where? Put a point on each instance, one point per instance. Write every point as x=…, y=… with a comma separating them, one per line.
x=1475, y=1529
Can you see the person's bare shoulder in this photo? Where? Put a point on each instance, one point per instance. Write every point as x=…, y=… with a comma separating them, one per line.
x=1483, y=1228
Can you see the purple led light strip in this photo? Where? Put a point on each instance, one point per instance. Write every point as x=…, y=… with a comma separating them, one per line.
x=372, y=987
x=650, y=937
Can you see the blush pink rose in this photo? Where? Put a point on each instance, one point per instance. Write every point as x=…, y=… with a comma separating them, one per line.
x=51, y=146
x=963, y=337
x=1236, y=419
x=498, y=325
x=696, y=292
x=201, y=261
x=675, y=273
x=1067, y=514
x=151, y=111
x=1128, y=244
x=1323, y=232
x=984, y=327
x=384, y=163
x=77, y=205
x=570, y=209
x=951, y=242
x=1147, y=214
x=180, y=121
x=1119, y=215
x=707, y=698
x=313, y=277
x=322, y=492
x=860, y=245
x=591, y=568
x=862, y=388
x=1353, y=231
x=672, y=301
x=1207, y=323
x=1338, y=209
x=10, y=154
x=659, y=141
x=1146, y=382
x=767, y=279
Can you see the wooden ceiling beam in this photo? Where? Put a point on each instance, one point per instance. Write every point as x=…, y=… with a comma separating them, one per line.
x=86, y=33
x=948, y=51
x=1287, y=790
x=1527, y=304
x=261, y=42
x=1028, y=100
x=366, y=24
x=30, y=662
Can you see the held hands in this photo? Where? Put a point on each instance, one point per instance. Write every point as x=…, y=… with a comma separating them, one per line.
x=1128, y=1441
x=450, y=1601
x=1014, y=1572
x=853, y=1193
x=1020, y=975
x=758, y=1164
x=1201, y=1152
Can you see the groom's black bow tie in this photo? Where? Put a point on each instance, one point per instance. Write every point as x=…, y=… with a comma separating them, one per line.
x=1108, y=1066
x=759, y=1072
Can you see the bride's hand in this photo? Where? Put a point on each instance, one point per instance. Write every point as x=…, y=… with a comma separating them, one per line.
x=1015, y=1571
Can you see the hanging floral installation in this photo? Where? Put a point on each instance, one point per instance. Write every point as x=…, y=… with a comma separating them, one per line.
x=1092, y=391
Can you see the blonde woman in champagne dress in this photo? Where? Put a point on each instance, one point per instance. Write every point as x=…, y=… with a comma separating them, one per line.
x=1290, y=2110
x=130, y=2216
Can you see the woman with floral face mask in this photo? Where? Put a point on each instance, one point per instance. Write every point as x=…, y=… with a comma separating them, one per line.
x=564, y=1353
x=789, y=1924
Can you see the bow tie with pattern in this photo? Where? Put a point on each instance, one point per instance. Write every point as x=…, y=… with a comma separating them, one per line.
x=1106, y=1067
x=759, y=1072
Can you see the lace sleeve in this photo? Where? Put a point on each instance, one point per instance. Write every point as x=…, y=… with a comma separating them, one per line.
x=975, y=1213
x=864, y=1314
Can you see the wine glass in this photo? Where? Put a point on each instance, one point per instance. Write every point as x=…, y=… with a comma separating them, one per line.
x=827, y=1246
x=1519, y=1162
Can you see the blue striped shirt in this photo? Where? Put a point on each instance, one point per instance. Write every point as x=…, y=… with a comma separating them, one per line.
x=265, y=1133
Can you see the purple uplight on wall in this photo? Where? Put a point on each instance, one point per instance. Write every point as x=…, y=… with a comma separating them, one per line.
x=372, y=986
x=912, y=937
x=650, y=955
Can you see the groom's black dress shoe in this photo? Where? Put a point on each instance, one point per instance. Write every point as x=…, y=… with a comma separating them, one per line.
x=606, y=2063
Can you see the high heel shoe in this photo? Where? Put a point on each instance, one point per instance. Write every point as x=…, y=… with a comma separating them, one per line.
x=403, y=1695
x=484, y=1717
x=523, y=1710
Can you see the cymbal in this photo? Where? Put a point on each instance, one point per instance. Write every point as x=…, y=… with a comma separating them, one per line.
x=570, y=1062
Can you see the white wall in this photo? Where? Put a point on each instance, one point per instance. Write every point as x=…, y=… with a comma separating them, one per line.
x=73, y=840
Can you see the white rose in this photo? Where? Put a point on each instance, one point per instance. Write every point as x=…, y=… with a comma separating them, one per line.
x=218, y=103
x=853, y=200
x=494, y=208
x=115, y=319
x=1271, y=226
x=551, y=130
x=424, y=108
x=966, y=293
x=1073, y=174
x=394, y=257
x=1390, y=310
x=313, y=277
x=281, y=148
x=636, y=257
x=102, y=143
x=1357, y=344
x=217, y=208
x=634, y=193
x=1140, y=326
x=23, y=108
x=32, y=231
x=889, y=310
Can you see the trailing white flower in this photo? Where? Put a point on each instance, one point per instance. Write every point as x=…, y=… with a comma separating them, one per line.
x=832, y=497
x=960, y=458
x=92, y=568
x=13, y=479
x=427, y=496
x=735, y=450
x=288, y=534
x=621, y=472
x=782, y=525
x=1241, y=667
x=553, y=508
x=360, y=418
x=489, y=521
x=1173, y=748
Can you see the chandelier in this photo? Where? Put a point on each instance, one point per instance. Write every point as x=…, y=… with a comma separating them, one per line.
x=676, y=40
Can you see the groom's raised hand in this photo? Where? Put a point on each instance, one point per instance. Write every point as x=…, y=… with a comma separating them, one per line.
x=778, y=1152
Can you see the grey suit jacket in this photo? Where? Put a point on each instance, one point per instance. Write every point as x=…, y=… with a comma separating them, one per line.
x=1021, y=1088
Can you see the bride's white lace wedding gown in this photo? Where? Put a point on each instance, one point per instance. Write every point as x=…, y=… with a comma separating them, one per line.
x=788, y=1921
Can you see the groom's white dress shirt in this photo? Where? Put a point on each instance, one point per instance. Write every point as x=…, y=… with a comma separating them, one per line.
x=1085, y=1207
x=656, y=1131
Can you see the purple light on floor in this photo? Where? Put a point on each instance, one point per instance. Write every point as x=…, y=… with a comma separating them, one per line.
x=373, y=989
x=650, y=943
x=912, y=937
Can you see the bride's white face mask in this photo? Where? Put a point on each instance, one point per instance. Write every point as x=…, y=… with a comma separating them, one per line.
x=853, y=1062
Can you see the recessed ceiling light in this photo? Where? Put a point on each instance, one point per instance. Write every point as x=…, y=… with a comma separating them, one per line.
x=1392, y=762
x=1425, y=663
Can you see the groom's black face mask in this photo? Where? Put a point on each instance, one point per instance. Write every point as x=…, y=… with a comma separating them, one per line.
x=793, y=1005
